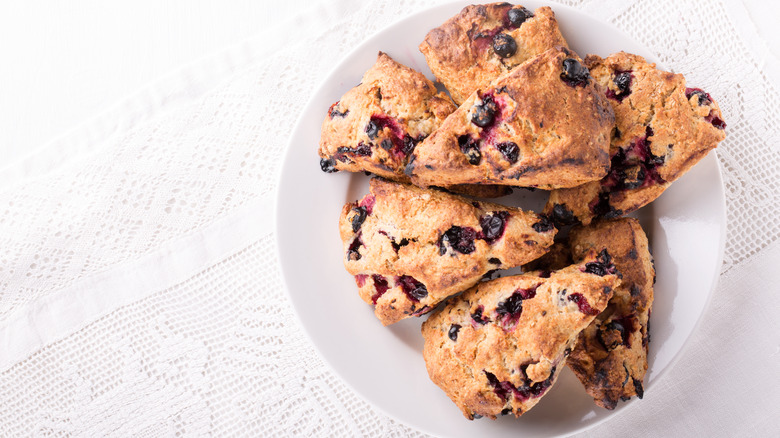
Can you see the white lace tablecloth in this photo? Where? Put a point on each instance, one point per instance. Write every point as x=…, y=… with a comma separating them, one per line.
x=140, y=292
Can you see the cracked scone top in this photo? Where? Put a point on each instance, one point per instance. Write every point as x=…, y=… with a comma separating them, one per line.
x=545, y=124
x=661, y=130
x=410, y=248
x=376, y=125
x=483, y=42
x=610, y=358
x=498, y=347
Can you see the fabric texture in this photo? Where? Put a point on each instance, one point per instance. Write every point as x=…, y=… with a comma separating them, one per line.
x=138, y=298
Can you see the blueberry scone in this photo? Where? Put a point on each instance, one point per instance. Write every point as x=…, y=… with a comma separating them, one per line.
x=662, y=128
x=410, y=248
x=377, y=124
x=545, y=124
x=484, y=42
x=498, y=347
x=610, y=358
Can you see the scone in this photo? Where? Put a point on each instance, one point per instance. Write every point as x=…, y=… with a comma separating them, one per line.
x=377, y=124
x=498, y=347
x=483, y=42
x=610, y=358
x=661, y=130
x=410, y=248
x=545, y=124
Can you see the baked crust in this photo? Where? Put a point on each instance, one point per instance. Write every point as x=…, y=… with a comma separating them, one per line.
x=610, y=358
x=410, y=248
x=498, y=347
x=461, y=53
x=538, y=131
x=661, y=130
x=375, y=125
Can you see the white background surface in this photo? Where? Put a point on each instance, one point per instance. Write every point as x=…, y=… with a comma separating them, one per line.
x=156, y=361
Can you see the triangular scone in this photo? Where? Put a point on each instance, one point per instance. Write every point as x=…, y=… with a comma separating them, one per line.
x=410, y=248
x=483, y=42
x=544, y=124
x=661, y=130
x=498, y=347
x=610, y=358
x=377, y=124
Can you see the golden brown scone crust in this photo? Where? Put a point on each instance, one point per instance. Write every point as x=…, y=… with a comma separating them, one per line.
x=460, y=52
x=375, y=125
x=610, y=358
x=498, y=347
x=544, y=132
x=416, y=247
x=662, y=130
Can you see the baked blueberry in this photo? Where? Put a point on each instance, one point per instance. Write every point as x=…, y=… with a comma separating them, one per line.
x=504, y=45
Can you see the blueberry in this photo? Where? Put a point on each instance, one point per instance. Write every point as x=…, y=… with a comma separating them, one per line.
x=334, y=112
x=461, y=239
x=357, y=220
x=544, y=225
x=409, y=145
x=574, y=74
x=485, y=112
x=386, y=144
x=363, y=150
x=372, y=129
x=328, y=166
x=504, y=45
x=512, y=307
x=493, y=225
x=412, y=288
x=352, y=252
x=518, y=16
x=640, y=392
x=470, y=148
x=453, y=333
x=623, y=82
x=477, y=316
x=563, y=216
x=704, y=98
x=603, y=208
x=509, y=150
x=602, y=266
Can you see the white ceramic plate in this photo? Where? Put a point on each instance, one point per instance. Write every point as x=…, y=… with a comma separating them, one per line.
x=686, y=227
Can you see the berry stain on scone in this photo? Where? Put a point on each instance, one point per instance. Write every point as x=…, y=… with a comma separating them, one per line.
x=662, y=128
x=410, y=248
x=545, y=124
x=497, y=348
x=483, y=42
x=376, y=125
